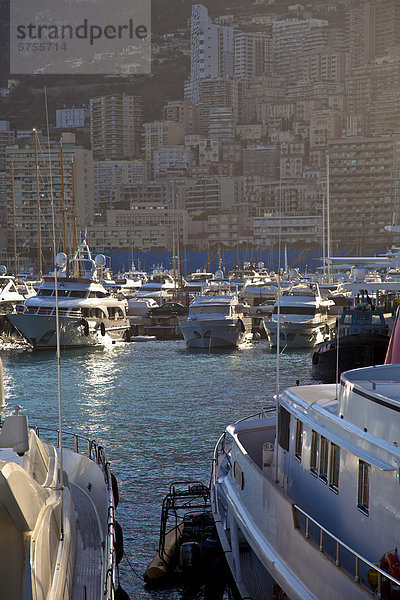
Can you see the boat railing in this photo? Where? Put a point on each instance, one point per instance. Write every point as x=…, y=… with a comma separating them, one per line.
x=83, y=445
x=376, y=575
x=50, y=311
x=221, y=446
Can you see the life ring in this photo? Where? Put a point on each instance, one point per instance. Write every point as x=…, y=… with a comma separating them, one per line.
x=390, y=563
x=102, y=329
x=85, y=326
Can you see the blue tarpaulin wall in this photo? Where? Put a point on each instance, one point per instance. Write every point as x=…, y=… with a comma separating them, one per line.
x=305, y=260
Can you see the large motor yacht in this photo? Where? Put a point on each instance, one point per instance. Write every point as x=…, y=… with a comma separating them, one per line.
x=58, y=535
x=306, y=503
x=216, y=321
x=161, y=286
x=302, y=316
x=361, y=341
x=89, y=315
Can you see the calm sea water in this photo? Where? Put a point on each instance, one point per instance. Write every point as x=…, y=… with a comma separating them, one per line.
x=158, y=409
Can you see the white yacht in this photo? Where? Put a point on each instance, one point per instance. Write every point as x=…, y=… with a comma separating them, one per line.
x=303, y=317
x=89, y=315
x=306, y=505
x=11, y=293
x=195, y=282
x=216, y=321
x=160, y=285
x=58, y=537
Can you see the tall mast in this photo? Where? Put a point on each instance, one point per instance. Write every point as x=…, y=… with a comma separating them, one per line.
x=40, y=266
x=323, y=239
x=62, y=197
x=73, y=206
x=14, y=224
x=328, y=219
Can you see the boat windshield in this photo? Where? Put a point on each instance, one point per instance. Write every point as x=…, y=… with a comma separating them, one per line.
x=295, y=310
x=362, y=318
x=210, y=309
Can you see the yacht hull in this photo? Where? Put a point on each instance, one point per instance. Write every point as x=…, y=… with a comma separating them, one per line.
x=256, y=520
x=40, y=331
x=208, y=334
x=355, y=351
x=298, y=335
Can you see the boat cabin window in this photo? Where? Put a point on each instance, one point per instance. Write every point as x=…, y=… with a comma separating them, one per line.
x=334, y=464
x=283, y=428
x=94, y=313
x=314, y=452
x=77, y=294
x=323, y=459
x=63, y=293
x=295, y=310
x=363, y=487
x=298, y=445
x=207, y=309
x=114, y=312
x=45, y=292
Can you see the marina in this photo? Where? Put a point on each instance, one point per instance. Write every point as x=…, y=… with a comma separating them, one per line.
x=200, y=300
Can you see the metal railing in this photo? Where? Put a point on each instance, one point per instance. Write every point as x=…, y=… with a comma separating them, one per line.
x=220, y=447
x=340, y=545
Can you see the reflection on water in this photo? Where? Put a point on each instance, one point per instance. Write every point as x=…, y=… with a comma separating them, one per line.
x=158, y=409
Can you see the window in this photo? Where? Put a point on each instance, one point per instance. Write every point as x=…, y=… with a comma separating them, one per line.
x=299, y=439
x=363, y=487
x=323, y=459
x=283, y=428
x=314, y=452
x=334, y=464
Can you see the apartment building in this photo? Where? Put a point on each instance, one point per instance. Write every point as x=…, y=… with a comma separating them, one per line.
x=147, y=228
x=79, y=203
x=211, y=50
x=214, y=94
x=253, y=54
x=182, y=111
x=372, y=27
x=364, y=194
x=116, y=126
x=299, y=229
x=72, y=118
x=288, y=38
x=158, y=134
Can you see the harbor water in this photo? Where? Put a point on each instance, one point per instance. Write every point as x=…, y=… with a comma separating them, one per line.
x=158, y=409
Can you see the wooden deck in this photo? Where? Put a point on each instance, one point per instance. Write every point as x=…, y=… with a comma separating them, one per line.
x=89, y=551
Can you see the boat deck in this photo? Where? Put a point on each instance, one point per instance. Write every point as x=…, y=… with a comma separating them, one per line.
x=89, y=552
x=258, y=583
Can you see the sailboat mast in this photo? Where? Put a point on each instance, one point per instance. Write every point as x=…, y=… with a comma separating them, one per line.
x=328, y=221
x=323, y=239
x=14, y=223
x=62, y=197
x=179, y=254
x=57, y=315
x=73, y=204
x=40, y=266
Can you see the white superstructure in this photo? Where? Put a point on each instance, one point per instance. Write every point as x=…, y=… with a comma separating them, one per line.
x=58, y=531
x=302, y=317
x=89, y=315
x=309, y=505
x=216, y=321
